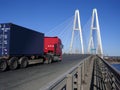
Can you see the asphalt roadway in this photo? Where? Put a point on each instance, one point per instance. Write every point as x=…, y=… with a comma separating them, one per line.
x=36, y=76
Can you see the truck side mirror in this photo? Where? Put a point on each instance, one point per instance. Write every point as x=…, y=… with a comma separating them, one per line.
x=61, y=46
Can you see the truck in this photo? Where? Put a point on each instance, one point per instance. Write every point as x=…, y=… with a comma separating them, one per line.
x=20, y=46
x=53, y=46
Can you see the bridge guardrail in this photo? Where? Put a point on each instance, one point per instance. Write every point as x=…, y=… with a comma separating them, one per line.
x=72, y=79
x=104, y=77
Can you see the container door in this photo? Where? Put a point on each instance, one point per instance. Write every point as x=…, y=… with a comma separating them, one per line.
x=3, y=40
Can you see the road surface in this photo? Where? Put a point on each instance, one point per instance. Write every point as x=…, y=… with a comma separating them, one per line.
x=36, y=76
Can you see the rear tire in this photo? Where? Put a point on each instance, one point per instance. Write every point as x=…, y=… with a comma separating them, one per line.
x=3, y=65
x=59, y=60
x=13, y=63
x=23, y=62
x=48, y=61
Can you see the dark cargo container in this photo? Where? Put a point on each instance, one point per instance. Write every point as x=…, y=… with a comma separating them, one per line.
x=16, y=41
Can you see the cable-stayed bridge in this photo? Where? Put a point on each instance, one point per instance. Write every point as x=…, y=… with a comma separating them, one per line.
x=82, y=67
x=76, y=39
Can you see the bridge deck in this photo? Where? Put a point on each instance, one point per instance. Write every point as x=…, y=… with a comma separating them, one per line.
x=36, y=76
x=81, y=72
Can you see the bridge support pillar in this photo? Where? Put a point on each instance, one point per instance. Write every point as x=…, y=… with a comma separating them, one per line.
x=95, y=26
x=77, y=27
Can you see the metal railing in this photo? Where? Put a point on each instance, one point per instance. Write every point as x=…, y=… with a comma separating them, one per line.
x=104, y=76
x=72, y=79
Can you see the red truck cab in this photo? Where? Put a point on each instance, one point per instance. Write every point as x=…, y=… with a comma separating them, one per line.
x=53, y=45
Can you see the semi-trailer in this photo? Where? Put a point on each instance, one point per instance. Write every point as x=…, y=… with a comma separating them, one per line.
x=20, y=46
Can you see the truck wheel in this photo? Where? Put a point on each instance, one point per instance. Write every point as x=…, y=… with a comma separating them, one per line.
x=13, y=63
x=46, y=62
x=23, y=62
x=43, y=61
x=59, y=60
x=50, y=60
x=3, y=65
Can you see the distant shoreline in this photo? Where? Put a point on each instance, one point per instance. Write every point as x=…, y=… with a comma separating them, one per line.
x=112, y=59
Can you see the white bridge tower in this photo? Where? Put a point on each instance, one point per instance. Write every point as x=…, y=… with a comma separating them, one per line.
x=98, y=49
x=77, y=27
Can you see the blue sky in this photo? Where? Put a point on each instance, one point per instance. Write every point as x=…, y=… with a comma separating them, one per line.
x=44, y=15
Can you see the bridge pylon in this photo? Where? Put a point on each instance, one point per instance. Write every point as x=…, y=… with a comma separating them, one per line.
x=76, y=27
x=95, y=26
